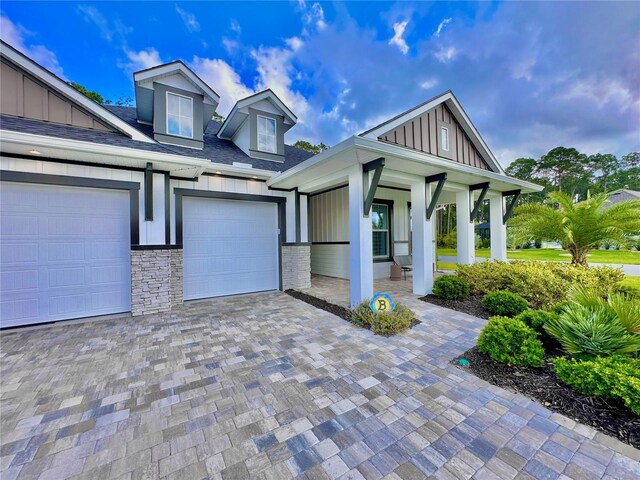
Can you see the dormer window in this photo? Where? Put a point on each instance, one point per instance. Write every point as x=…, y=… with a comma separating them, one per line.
x=179, y=115
x=267, y=134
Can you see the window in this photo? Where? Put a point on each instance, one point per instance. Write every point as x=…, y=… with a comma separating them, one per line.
x=444, y=138
x=380, y=226
x=179, y=115
x=267, y=134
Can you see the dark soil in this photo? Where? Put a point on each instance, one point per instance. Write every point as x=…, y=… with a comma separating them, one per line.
x=608, y=416
x=472, y=305
x=337, y=310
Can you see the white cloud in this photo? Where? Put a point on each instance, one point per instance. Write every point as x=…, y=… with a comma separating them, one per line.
x=294, y=43
x=443, y=24
x=397, y=39
x=429, y=83
x=17, y=36
x=523, y=69
x=446, y=54
x=93, y=15
x=220, y=76
x=235, y=26
x=189, y=19
x=230, y=46
x=142, y=59
x=602, y=92
x=313, y=15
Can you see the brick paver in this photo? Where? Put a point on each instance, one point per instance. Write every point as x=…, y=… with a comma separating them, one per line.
x=265, y=386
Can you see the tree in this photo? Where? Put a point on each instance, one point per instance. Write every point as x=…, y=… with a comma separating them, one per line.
x=566, y=169
x=93, y=95
x=309, y=147
x=606, y=165
x=579, y=227
x=217, y=117
x=526, y=169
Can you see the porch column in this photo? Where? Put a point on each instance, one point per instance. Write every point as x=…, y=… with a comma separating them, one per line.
x=498, y=228
x=360, y=240
x=422, y=239
x=464, y=228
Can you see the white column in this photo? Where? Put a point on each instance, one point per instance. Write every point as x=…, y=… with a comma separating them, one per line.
x=290, y=209
x=304, y=218
x=422, y=239
x=498, y=229
x=464, y=227
x=360, y=241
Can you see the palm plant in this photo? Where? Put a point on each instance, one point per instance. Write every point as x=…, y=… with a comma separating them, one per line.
x=579, y=227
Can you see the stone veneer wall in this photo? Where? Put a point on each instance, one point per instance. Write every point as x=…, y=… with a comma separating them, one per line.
x=156, y=280
x=296, y=266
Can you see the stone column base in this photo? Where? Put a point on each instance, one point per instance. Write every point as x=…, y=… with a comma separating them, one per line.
x=156, y=279
x=296, y=266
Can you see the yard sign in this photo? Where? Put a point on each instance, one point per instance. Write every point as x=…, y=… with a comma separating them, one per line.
x=381, y=302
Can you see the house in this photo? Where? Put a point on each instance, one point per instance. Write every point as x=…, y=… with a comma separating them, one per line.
x=108, y=209
x=623, y=195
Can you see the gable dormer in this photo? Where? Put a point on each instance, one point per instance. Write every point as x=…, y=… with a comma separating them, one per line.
x=176, y=102
x=257, y=125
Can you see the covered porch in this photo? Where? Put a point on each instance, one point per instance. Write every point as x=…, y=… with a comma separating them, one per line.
x=345, y=229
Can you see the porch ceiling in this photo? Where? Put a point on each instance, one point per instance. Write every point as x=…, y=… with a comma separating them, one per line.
x=403, y=167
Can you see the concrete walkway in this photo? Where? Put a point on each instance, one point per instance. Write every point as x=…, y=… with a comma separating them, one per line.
x=268, y=387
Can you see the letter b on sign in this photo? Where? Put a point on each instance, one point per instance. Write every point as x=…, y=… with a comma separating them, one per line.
x=381, y=302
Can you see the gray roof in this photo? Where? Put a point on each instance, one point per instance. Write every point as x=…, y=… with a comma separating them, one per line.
x=623, y=195
x=214, y=149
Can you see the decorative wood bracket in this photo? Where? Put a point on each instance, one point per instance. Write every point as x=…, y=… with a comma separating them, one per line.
x=148, y=192
x=440, y=178
x=514, y=194
x=376, y=165
x=484, y=188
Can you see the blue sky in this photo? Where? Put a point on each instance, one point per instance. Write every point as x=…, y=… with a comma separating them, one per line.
x=531, y=76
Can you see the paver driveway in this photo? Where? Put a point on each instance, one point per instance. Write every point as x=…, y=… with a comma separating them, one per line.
x=266, y=386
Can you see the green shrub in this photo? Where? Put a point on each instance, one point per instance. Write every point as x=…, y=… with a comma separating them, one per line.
x=510, y=341
x=628, y=290
x=589, y=332
x=504, y=303
x=536, y=319
x=613, y=377
x=451, y=287
x=383, y=323
x=542, y=284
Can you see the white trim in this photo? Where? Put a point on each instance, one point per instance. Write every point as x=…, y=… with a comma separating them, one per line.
x=71, y=93
x=275, y=135
x=112, y=151
x=179, y=116
x=248, y=101
x=380, y=148
x=169, y=68
x=444, y=129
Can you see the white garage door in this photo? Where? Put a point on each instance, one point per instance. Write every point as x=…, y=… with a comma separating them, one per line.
x=64, y=253
x=230, y=247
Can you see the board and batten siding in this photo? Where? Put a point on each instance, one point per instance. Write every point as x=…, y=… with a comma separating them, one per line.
x=421, y=133
x=330, y=231
x=23, y=96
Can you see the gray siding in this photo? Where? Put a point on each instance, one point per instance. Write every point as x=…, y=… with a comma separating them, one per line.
x=160, y=116
x=23, y=96
x=253, y=135
x=422, y=134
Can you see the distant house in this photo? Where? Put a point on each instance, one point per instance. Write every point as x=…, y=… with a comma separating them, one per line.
x=623, y=195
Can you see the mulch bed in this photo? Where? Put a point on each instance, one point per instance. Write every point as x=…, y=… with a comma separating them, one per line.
x=339, y=311
x=608, y=416
x=472, y=305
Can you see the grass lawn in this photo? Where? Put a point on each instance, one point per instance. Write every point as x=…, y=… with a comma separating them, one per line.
x=596, y=256
x=631, y=281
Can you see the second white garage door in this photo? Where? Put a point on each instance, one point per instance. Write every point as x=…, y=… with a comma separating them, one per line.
x=230, y=247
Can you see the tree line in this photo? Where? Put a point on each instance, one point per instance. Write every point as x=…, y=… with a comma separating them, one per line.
x=569, y=171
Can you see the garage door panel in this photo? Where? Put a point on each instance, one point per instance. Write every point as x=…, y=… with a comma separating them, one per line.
x=70, y=267
x=230, y=247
